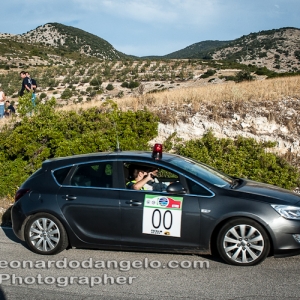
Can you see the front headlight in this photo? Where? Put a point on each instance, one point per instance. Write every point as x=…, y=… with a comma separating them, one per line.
x=289, y=212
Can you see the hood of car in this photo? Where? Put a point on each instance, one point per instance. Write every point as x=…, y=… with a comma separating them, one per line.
x=268, y=190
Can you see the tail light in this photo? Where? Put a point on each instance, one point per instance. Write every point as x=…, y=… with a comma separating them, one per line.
x=20, y=193
x=157, y=151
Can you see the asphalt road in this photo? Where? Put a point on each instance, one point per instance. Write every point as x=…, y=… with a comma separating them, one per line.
x=91, y=274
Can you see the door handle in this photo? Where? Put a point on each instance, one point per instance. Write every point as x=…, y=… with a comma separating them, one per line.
x=133, y=202
x=70, y=197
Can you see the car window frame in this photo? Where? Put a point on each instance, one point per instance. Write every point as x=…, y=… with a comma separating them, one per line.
x=74, y=167
x=162, y=164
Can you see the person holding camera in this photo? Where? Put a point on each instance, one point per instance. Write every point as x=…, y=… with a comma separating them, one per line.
x=140, y=179
x=154, y=184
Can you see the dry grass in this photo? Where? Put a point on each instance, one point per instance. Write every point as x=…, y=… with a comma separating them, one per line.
x=215, y=94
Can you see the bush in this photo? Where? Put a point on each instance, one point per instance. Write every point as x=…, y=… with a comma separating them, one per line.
x=208, y=73
x=297, y=54
x=66, y=94
x=243, y=157
x=120, y=94
x=243, y=76
x=43, y=95
x=133, y=84
x=96, y=81
x=110, y=87
x=50, y=133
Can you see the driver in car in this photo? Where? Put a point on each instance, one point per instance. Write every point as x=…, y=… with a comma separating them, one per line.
x=140, y=178
x=154, y=183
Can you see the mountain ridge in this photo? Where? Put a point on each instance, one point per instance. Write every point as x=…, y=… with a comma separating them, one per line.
x=276, y=49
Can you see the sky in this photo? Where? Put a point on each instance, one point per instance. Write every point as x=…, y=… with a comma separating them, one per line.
x=153, y=27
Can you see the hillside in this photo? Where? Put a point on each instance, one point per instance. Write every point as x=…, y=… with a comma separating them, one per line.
x=73, y=39
x=58, y=44
x=54, y=43
x=278, y=50
x=55, y=56
x=200, y=50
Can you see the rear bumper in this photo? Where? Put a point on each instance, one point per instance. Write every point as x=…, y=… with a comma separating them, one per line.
x=18, y=221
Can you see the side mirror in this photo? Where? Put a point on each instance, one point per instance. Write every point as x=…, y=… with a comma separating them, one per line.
x=176, y=188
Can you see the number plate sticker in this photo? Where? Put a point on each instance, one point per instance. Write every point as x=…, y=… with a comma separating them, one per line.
x=162, y=215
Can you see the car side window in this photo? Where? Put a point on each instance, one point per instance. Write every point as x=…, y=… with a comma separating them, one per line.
x=160, y=180
x=197, y=189
x=61, y=174
x=93, y=175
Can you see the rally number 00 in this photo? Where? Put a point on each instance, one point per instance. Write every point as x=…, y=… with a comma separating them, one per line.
x=165, y=215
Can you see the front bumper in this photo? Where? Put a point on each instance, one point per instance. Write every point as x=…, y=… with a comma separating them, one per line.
x=284, y=243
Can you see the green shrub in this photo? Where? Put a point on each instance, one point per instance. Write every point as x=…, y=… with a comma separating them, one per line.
x=96, y=81
x=125, y=84
x=208, y=73
x=49, y=133
x=243, y=157
x=25, y=105
x=120, y=94
x=109, y=87
x=43, y=95
x=133, y=84
x=243, y=76
x=66, y=94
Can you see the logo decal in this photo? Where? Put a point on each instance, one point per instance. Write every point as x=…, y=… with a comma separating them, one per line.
x=163, y=201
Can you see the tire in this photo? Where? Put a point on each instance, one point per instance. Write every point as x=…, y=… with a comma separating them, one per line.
x=243, y=242
x=44, y=234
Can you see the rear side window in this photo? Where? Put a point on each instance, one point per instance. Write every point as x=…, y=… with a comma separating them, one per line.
x=61, y=174
x=93, y=175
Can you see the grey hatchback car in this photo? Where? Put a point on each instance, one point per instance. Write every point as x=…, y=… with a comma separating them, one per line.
x=83, y=201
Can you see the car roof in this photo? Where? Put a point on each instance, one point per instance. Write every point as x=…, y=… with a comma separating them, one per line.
x=79, y=158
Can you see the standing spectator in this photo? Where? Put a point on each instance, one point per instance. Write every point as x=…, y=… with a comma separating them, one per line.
x=33, y=87
x=2, y=99
x=9, y=109
x=26, y=84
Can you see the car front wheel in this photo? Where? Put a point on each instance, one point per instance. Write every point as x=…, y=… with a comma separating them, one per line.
x=44, y=234
x=243, y=242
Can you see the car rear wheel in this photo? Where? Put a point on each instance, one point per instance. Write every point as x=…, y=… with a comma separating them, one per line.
x=243, y=242
x=44, y=234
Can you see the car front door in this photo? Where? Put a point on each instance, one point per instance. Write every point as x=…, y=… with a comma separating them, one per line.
x=90, y=204
x=159, y=220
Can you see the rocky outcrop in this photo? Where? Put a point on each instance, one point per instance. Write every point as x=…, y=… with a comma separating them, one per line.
x=278, y=123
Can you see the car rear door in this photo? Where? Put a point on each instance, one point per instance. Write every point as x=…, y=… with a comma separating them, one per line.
x=90, y=203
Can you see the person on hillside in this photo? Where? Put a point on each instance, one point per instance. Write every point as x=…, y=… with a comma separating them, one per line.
x=26, y=83
x=2, y=99
x=9, y=109
x=33, y=88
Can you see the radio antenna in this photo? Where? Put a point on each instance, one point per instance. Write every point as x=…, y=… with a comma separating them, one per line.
x=118, y=144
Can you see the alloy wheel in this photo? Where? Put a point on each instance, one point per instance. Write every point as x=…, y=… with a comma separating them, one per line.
x=44, y=234
x=243, y=243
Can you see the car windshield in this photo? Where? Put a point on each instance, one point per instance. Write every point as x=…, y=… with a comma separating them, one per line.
x=203, y=171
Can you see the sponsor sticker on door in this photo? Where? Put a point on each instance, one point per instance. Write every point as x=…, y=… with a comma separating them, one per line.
x=162, y=215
